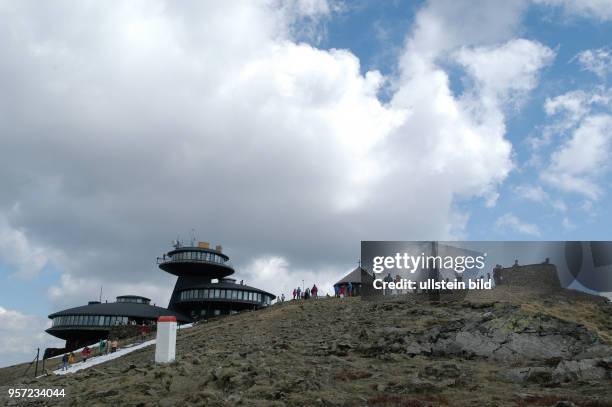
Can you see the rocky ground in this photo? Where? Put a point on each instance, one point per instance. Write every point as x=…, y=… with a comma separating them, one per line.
x=499, y=349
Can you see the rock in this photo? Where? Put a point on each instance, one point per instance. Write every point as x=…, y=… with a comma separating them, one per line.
x=417, y=348
x=106, y=393
x=539, y=375
x=487, y=316
x=564, y=403
x=516, y=375
x=585, y=369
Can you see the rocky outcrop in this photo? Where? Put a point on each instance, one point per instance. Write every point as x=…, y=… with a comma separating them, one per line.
x=499, y=332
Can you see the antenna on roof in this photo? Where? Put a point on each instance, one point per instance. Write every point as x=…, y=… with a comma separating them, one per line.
x=193, y=238
x=101, y=292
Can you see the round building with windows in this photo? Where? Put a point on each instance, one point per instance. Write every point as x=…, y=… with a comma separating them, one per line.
x=89, y=323
x=203, y=288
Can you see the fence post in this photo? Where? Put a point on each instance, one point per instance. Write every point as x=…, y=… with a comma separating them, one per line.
x=37, y=357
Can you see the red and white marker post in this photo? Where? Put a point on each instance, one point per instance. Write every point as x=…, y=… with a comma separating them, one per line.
x=165, y=347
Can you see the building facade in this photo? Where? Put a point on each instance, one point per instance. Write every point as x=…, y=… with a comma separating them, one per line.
x=203, y=288
x=89, y=323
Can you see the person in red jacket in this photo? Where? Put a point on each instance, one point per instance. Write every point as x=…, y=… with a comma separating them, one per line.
x=85, y=353
x=314, y=291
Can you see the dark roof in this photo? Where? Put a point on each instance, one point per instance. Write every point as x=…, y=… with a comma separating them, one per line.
x=126, y=309
x=226, y=285
x=352, y=277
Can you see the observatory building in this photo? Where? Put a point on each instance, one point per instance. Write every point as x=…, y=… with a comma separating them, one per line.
x=89, y=323
x=203, y=288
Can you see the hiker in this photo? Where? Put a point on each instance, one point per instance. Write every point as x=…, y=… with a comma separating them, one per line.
x=143, y=332
x=282, y=297
x=307, y=293
x=314, y=291
x=294, y=293
x=299, y=293
x=336, y=291
x=350, y=289
x=101, y=346
x=85, y=353
x=65, y=362
x=397, y=280
x=114, y=346
x=71, y=358
x=387, y=279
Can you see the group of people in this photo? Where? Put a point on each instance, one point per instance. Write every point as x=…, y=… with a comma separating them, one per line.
x=108, y=346
x=344, y=290
x=104, y=348
x=298, y=294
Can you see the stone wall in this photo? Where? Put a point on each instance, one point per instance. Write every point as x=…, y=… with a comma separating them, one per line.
x=531, y=275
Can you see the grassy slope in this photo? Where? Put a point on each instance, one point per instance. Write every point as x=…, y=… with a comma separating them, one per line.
x=308, y=353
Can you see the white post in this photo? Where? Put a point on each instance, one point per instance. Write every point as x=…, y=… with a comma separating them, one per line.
x=165, y=347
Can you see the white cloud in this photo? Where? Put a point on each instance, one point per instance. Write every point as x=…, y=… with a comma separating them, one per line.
x=568, y=110
x=72, y=291
x=582, y=129
x=596, y=9
x=568, y=224
x=21, y=334
x=512, y=222
x=535, y=193
x=598, y=61
x=532, y=193
x=22, y=256
x=264, y=269
x=577, y=163
x=507, y=72
x=124, y=125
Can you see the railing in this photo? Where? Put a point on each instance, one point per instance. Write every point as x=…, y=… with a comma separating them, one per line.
x=170, y=260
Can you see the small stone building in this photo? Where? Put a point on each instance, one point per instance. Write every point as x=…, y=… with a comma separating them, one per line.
x=354, y=277
x=543, y=276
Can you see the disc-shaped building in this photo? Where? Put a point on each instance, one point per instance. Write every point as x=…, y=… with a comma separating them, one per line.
x=89, y=323
x=203, y=288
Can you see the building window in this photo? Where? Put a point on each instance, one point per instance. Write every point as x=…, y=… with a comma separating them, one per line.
x=217, y=293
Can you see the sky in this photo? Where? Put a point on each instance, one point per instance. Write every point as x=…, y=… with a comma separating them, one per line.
x=287, y=131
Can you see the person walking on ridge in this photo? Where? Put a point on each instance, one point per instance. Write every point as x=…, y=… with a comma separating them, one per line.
x=65, y=362
x=85, y=353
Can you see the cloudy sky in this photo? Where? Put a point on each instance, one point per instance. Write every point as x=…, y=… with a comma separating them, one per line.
x=287, y=131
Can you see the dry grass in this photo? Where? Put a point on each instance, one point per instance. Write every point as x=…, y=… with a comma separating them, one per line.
x=588, y=314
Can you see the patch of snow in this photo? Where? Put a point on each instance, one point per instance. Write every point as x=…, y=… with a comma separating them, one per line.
x=104, y=358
